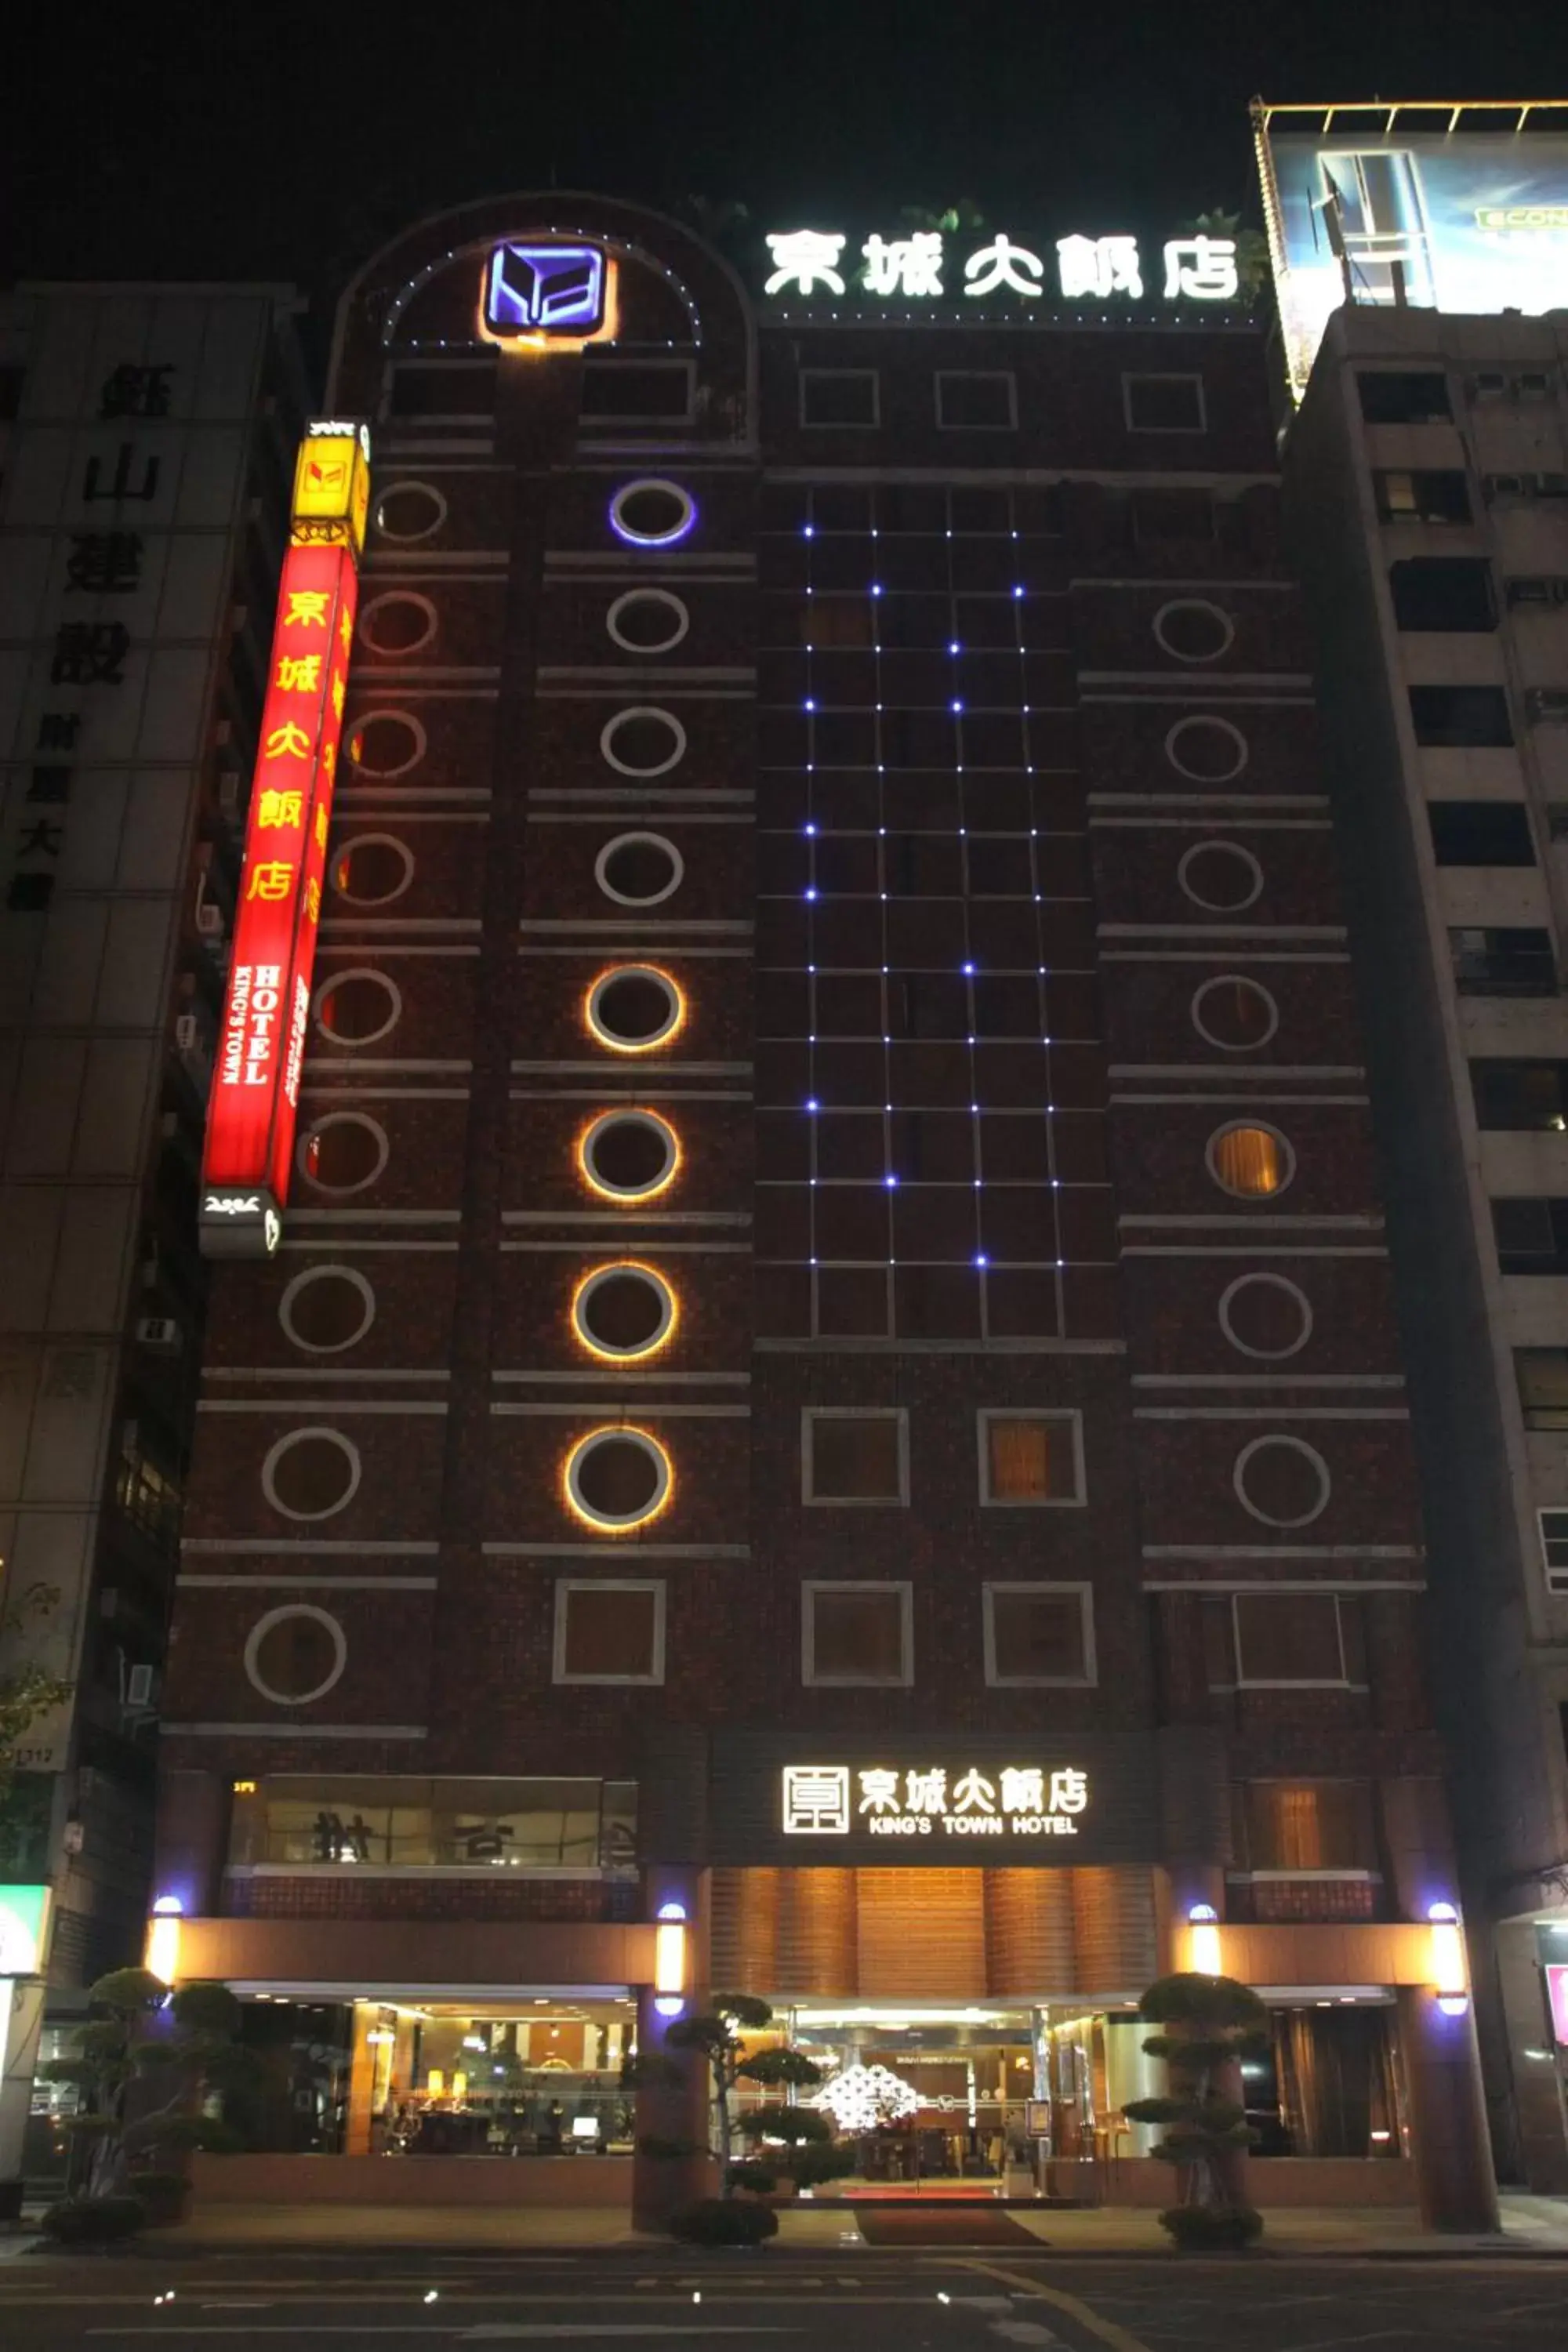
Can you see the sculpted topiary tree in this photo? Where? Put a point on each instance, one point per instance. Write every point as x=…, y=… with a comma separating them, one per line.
x=1212, y=2023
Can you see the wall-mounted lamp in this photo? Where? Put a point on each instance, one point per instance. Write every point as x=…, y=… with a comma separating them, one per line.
x=162, y=1952
x=1202, y=1946
x=1449, y=1974
x=669, y=1959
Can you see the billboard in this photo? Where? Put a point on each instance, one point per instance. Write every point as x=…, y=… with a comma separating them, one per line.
x=255, y=1080
x=1382, y=206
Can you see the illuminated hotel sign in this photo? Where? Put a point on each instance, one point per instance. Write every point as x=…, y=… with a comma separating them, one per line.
x=933, y=266
x=256, y=1083
x=1011, y=1801
x=548, y=295
x=1392, y=205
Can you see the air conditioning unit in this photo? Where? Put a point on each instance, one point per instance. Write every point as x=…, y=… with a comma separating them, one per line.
x=229, y=785
x=1489, y=384
x=158, y=1331
x=1507, y=486
x=1547, y=702
x=209, y=920
x=1534, y=384
x=187, y=1036
x=141, y=1686
x=1538, y=588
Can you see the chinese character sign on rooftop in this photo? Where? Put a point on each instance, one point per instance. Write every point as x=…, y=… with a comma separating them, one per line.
x=928, y=1800
x=933, y=265
x=256, y=1083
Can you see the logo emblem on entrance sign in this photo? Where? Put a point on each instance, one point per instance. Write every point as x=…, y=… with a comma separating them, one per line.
x=545, y=291
x=1019, y=1800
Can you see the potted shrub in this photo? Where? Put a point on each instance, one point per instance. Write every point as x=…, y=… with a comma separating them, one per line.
x=725, y=2221
x=1212, y=2023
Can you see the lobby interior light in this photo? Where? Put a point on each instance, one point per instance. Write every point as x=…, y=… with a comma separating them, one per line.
x=1202, y=1946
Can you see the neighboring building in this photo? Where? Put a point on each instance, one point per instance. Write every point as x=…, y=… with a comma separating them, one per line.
x=830, y=1378
x=1428, y=472
x=145, y=434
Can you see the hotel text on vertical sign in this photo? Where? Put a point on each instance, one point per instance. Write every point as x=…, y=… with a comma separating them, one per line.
x=256, y=1081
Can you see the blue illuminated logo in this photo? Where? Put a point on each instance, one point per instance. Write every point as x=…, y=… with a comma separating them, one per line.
x=545, y=290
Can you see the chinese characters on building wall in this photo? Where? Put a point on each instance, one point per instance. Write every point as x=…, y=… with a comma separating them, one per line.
x=926, y=266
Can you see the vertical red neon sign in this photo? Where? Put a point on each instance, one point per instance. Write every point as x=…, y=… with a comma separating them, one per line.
x=256, y=1083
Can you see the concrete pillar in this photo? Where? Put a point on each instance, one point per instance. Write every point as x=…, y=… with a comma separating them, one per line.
x=1455, y=2184
x=191, y=1843
x=677, y=2111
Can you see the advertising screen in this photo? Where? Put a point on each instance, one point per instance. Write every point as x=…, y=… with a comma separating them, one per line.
x=1380, y=205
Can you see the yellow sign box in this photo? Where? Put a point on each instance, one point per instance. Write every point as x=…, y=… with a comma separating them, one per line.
x=332, y=487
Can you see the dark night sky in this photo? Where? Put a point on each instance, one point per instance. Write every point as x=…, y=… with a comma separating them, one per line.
x=225, y=142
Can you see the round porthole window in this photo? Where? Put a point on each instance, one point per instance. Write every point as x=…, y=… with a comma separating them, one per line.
x=635, y=1008
x=643, y=741
x=386, y=743
x=357, y=1007
x=398, y=623
x=617, y=1479
x=639, y=869
x=311, y=1473
x=1264, y=1315
x=327, y=1308
x=647, y=621
x=1282, y=1481
x=1191, y=629
x=630, y=1155
x=1234, y=1013
x=295, y=1654
x=623, y=1311
x=1221, y=876
x=1249, y=1162
x=343, y=1152
x=1210, y=750
x=371, y=869
x=652, y=512
x=410, y=511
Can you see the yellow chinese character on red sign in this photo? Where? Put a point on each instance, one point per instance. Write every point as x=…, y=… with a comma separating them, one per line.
x=288, y=743
x=300, y=673
x=338, y=695
x=312, y=897
x=321, y=828
x=346, y=628
x=272, y=880
x=307, y=607
x=329, y=759
x=280, y=809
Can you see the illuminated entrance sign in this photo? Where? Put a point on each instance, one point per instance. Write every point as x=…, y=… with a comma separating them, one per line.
x=24, y=1914
x=882, y=1801
x=255, y=1084
x=548, y=295
x=933, y=266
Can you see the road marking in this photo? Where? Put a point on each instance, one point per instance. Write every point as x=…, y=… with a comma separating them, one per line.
x=494, y=2333
x=1024, y=2331
x=1119, y=2338
x=236, y=2306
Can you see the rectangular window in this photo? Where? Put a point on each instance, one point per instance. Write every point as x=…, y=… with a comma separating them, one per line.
x=1030, y=1457
x=1424, y=497
x=1549, y=588
x=857, y=1633
x=1451, y=592
x=1482, y=833
x=10, y=393
x=1163, y=403
x=858, y=1455
x=1285, y=1638
x=409, y=1823
x=1543, y=1377
x=1503, y=963
x=1554, y=1549
x=1531, y=1235
x=616, y=393
x=1307, y=1825
x=970, y=400
x=1396, y=398
x=1039, y=1633
x=609, y=1632
x=444, y=388
x=839, y=396
x=1520, y=1097
x=1172, y=517
x=1446, y=717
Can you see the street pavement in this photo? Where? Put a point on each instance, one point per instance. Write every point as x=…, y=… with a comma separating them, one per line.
x=149, y=2299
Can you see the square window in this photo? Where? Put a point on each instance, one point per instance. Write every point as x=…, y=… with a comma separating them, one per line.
x=1287, y=1637
x=973, y=401
x=1163, y=403
x=1391, y=397
x=609, y=1632
x=839, y=396
x=857, y=1633
x=1039, y=1633
x=1288, y=1825
x=1543, y=1377
x=1029, y=1459
x=622, y=392
x=1554, y=1549
x=859, y=1455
